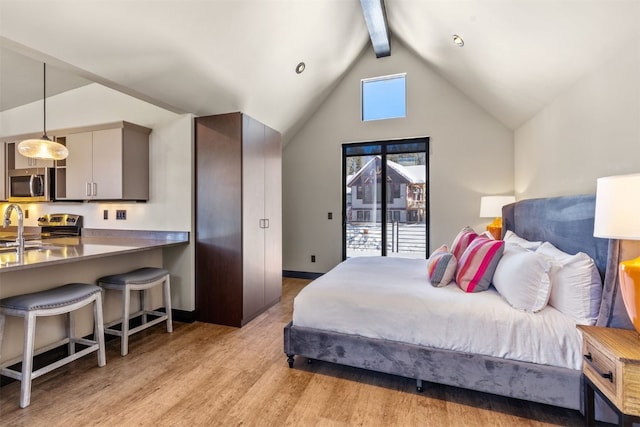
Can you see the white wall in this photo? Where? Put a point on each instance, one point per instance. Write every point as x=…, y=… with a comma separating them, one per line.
x=591, y=130
x=169, y=206
x=471, y=155
x=170, y=155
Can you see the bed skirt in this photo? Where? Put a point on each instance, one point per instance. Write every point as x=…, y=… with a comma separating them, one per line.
x=551, y=385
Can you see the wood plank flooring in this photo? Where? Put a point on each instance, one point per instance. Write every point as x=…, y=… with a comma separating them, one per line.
x=210, y=375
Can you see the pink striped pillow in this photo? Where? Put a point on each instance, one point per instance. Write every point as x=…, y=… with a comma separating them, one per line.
x=478, y=263
x=462, y=240
x=441, y=267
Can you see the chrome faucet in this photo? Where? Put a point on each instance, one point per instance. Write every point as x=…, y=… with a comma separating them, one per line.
x=7, y=221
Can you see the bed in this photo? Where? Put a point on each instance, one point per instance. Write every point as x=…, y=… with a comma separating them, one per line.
x=551, y=376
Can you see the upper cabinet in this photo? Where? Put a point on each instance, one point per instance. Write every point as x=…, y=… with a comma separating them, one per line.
x=22, y=162
x=110, y=163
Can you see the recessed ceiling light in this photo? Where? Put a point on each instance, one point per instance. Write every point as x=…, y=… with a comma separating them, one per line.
x=300, y=67
x=458, y=40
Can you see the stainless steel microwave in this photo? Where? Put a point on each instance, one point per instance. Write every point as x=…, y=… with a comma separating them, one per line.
x=31, y=185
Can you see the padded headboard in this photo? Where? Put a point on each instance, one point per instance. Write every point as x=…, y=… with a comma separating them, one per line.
x=567, y=223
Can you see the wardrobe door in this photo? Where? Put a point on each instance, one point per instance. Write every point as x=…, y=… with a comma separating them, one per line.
x=253, y=231
x=218, y=270
x=273, y=212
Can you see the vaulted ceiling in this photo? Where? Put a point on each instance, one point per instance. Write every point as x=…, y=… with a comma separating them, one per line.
x=213, y=56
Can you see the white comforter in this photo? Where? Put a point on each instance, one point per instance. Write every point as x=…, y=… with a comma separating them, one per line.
x=391, y=298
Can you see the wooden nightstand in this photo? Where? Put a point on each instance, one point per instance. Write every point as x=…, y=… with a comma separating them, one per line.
x=611, y=368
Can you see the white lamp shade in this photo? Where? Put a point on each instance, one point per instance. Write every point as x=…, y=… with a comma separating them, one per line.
x=617, y=213
x=43, y=149
x=491, y=206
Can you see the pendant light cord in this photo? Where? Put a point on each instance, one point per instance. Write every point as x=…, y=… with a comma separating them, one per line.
x=44, y=147
x=44, y=99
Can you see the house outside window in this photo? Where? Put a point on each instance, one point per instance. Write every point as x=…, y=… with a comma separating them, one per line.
x=390, y=219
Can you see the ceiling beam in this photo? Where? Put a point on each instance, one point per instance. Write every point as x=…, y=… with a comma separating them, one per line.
x=375, y=15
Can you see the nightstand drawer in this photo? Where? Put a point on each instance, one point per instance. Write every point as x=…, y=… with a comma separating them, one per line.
x=612, y=369
x=600, y=368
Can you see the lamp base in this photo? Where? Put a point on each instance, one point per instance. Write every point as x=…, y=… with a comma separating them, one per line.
x=630, y=286
x=495, y=228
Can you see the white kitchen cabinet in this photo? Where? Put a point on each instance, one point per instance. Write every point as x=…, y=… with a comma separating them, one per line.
x=106, y=164
x=22, y=162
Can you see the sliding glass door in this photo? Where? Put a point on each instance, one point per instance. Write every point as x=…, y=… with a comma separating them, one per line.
x=385, y=199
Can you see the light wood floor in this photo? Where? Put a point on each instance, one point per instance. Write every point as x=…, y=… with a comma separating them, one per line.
x=205, y=375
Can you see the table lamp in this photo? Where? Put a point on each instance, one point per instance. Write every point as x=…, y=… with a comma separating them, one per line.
x=617, y=216
x=491, y=207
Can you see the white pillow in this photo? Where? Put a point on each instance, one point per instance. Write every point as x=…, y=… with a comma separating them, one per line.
x=576, y=285
x=512, y=237
x=522, y=278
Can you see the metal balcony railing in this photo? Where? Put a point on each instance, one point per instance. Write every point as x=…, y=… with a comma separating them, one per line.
x=401, y=238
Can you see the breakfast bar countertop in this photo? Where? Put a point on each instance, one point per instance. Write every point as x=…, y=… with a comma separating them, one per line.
x=40, y=253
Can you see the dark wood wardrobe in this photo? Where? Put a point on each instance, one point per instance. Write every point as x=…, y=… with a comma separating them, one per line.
x=238, y=218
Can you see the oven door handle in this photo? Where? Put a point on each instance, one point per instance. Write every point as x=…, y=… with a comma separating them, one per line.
x=32, y=180
x=32, y=183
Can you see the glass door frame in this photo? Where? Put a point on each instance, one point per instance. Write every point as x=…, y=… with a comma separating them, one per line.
x=381, y=148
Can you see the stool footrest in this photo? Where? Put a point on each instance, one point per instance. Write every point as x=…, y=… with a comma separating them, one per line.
x=69, y=358
x=162, y=317
x=17, y=375
x=134, y=315
x=36, y=352
x=83, y=341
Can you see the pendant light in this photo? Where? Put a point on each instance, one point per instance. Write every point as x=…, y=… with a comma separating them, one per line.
x=43, y=148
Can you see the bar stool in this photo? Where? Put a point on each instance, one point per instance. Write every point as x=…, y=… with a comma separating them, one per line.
x=60, y=300
x=142, y=280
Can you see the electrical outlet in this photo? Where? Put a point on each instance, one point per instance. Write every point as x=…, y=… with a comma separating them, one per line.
x=313, y=258
x=105, y=214
x=26, y=213
x=121, y=214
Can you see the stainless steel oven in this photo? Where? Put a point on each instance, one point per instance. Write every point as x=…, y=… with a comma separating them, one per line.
x=31, y=185
x=60, y=225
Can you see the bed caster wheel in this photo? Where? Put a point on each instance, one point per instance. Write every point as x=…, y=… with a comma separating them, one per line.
x=290, y=360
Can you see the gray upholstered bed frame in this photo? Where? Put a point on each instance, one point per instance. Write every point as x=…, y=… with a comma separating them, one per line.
x=566, y=222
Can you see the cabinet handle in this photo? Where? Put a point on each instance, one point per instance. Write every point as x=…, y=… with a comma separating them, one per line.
x=95, y=188
x=589, y=359
x=266, y=222
x=88, y=189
